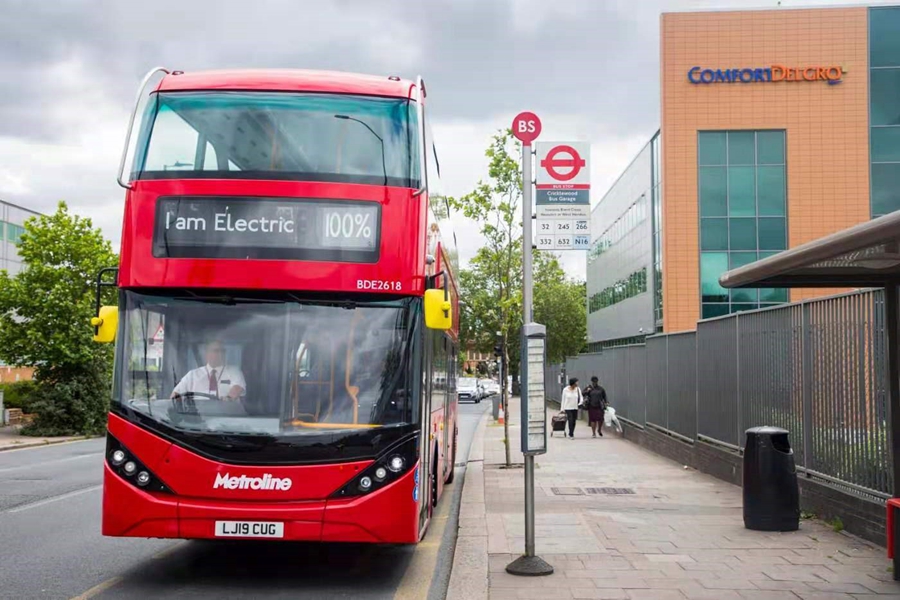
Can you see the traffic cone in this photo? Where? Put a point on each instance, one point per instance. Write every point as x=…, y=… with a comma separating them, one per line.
x=500, y=415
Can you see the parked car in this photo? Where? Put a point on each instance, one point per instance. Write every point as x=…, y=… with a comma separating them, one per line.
x=468, y=389
x=490, y=386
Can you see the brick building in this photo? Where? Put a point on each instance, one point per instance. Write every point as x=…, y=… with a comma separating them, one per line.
x=13, y=374
x=778, y=127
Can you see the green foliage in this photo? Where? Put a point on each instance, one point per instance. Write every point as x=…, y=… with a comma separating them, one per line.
x=495, y=274
x=18, y=394
x=45, y=311
x=837, y=525
x=496, y=270
x=491, y=287
x=77, y=405
x=559, y=303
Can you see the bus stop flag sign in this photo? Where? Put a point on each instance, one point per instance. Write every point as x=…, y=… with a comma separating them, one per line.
x=526, y=127
x=563, y=201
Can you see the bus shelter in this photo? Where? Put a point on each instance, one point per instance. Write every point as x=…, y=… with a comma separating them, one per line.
x=864, y=256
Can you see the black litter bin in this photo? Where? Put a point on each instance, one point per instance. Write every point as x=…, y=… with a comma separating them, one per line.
x=771, y=495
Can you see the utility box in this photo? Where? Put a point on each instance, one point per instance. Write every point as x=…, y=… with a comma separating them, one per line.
x=771, y=492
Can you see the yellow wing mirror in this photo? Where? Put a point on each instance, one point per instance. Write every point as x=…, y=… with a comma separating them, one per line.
x=438, y=310
x=106, y=324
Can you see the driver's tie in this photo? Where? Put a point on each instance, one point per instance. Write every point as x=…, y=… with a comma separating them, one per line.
x=213, y=383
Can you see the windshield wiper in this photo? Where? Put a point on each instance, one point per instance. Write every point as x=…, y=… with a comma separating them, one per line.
x=228, y=300
x=228, y=441
x=347, y=304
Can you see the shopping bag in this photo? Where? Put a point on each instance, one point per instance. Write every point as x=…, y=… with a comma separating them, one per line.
x=610, y=419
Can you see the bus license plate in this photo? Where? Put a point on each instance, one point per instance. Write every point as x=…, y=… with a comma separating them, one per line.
x=254, y=529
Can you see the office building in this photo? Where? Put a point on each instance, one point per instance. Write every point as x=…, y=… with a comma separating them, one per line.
x=777, y=127
x=12, y=219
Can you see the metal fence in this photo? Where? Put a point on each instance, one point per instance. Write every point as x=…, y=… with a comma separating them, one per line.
x=815, y=368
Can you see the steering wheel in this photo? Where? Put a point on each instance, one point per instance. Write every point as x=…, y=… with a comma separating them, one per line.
x=192, y=395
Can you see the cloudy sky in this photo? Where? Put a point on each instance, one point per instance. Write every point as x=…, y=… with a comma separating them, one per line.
x=69, y=71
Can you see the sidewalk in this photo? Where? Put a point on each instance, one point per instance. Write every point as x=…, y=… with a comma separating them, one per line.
x=655, y=530
x=10, y=439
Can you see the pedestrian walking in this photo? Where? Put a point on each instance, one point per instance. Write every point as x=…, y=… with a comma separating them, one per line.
x=570, y=402
x=596, y=403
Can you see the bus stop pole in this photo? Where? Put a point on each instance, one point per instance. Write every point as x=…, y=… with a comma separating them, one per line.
x=529, y=564
x=527, y=296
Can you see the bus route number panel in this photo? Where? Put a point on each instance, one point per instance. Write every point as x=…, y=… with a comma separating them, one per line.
x=267, y=228
x=566, y=233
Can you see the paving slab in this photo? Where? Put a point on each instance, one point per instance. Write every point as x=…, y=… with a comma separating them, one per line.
x=662, y=531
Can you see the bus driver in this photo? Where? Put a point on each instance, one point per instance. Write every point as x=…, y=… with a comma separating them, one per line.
x=215, y=378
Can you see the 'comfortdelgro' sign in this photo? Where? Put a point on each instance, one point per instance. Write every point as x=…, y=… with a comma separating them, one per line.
x=832, y=75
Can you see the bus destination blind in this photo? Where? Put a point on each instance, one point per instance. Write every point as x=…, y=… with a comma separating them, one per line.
x=267, y=228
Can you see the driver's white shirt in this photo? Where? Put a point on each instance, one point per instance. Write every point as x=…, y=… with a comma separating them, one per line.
x=197, y=380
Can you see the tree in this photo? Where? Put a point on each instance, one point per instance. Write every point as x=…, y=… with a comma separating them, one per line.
x=496, y=270
x=45, y=311
x=491, y=286
x=560, y=303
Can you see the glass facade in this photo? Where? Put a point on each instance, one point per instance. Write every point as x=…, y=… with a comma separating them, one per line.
x=656, y=213
x=629, y=341
x=884, y=108
x=742, y=185
x=620, y=264
x=10, y=232
x=12, y=219
x=633, y=217
x=631, y=286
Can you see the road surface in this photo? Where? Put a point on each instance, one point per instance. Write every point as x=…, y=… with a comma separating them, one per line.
x=51, y=547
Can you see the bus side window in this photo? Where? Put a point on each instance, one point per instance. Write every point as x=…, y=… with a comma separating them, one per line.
x=440, y=377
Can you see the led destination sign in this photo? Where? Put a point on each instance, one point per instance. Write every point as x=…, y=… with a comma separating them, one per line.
x=266, y=228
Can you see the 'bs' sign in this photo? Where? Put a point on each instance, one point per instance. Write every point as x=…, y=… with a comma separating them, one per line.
x=526, y=127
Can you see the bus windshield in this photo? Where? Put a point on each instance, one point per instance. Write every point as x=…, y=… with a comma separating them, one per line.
x=266, y=135
x=266, y=365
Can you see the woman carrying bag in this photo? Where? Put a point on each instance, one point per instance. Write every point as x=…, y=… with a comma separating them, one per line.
x=596, y=404
x=570, y=403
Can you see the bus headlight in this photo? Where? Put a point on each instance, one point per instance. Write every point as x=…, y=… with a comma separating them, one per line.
x=123, y=463
x=388, y=468
x=396, y=463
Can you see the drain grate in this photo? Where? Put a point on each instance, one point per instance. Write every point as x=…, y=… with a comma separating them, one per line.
x=567, y=491
x=609, y=491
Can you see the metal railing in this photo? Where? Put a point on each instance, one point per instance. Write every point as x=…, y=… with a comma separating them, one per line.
x=815, y=368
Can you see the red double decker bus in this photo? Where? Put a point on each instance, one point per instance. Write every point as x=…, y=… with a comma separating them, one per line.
x=286, y=323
